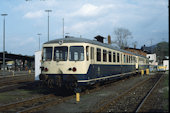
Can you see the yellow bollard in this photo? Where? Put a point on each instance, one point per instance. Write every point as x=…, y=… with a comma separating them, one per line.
x=147, y=71
x=29, y=71
x=142, y=72
x=77, y=97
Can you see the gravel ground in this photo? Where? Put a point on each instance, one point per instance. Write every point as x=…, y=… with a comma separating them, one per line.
x=159, y=99
x=88, y=102
x=129, y=102
x=22, y=93
x=91, y=101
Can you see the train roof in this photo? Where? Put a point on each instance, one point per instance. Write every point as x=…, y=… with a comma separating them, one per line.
x=83, y=40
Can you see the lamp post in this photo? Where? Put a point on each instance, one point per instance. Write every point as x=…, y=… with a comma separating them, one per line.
x=48, y=21
x=63, y=27
x=39, y=39
x=4, y=43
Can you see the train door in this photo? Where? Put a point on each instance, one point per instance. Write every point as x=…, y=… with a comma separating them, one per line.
x=92, y=61
x=92, y=55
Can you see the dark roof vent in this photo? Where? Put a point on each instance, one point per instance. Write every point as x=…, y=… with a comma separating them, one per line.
x=69, y=37
x=99, y=38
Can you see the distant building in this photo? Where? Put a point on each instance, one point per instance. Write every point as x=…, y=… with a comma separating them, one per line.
x=166, y=62
x=152, y=59
x=148, y=50
x=137, y=51
x=152, y=62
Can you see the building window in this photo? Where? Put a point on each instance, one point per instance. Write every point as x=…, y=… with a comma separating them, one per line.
x=104, y=56
x=98, y=54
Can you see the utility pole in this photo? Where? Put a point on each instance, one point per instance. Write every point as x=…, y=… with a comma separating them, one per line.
x=39, y=40
x=4, y=43
x=63, y=27
x=48, y=21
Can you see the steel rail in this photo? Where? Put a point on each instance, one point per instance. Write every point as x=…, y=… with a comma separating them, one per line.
x=147, y=95
x=106, y=104
x=17, y=79
x=21, y=103
x=45, y=105
x=58, y=101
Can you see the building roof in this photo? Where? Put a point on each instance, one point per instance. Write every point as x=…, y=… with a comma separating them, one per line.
x=83, y=40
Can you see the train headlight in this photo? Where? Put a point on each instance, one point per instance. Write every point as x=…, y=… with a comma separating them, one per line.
x=46, y=69
x=74, y=69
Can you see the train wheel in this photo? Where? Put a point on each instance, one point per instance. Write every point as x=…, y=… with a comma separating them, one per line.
x=50, y=83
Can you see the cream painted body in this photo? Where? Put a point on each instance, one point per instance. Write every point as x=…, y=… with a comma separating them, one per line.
x=62, y=67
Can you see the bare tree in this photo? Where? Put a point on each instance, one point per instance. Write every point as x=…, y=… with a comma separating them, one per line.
x=134, y=44
x=122, y=35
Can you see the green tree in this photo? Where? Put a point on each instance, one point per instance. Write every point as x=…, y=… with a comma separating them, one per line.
x=161, y=50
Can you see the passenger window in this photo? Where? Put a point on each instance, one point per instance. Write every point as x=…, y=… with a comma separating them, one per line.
x=98, y=54
x=114, y=57
x=76, y=53
x=87, y=53
x=60, y=53
x=104, y=56
x=110, y=57
x=124, y=58
x=92, y=53
x=47, y=53
x=117, y=57
x=121, y=58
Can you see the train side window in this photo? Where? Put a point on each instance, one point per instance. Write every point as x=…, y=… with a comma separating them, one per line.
x=110, y=56
x=114, y=57
x=118, y=57
x=98, y=54
x=87, y=53
x=124, y=59
x=121, y=57
x=127, y=60
x=104, y=56
x=92, y=53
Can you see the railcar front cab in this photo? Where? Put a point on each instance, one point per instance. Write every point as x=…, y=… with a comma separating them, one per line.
x=64, y=64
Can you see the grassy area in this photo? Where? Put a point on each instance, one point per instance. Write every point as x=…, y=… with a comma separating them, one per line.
x=166, y=92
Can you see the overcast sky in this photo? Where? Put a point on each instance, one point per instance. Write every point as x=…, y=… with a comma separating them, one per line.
x=146, y=19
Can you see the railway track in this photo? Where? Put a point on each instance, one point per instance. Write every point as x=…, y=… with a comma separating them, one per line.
x=37, y=104
x=23, y=106
x=110, y=106
x=16, y=79
x=142, y=103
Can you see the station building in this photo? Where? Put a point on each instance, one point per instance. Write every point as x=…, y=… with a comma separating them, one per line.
x=17, y=62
